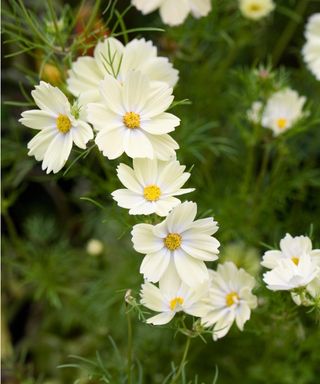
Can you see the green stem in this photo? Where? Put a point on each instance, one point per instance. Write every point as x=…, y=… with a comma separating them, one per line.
x=55, y=23
x=288, y=32
x=129, y=352
x=182, y=363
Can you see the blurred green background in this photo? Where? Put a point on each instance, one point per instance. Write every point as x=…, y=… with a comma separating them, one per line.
x=58, y=300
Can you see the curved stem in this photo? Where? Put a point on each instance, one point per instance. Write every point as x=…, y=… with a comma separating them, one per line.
x=288, y=32
x=183, y=362
x=129, y=352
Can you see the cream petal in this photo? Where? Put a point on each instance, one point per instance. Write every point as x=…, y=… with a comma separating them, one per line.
x=155, y=264
x=170, y=282
x=165, y=205
x=193, y=272
x=160, y=124
x=151, y=297
x=159, y=99
x=111, y=143
x=223, y=326
x=57, y=153
x=103, y=118
x=160, y=69
x=144, y=240
x=128, y=178
x=111, y=92
x=38, y=119
x=50, y=99
x=146, y=171
x=161, y=318
x=200, y=8
x=163, y=146
x=126, y=198
x=137, y=144
x=135, y=89
x=271, y=258
x=40, y=143
x=146, y=6
x=174, y=13
x=205, y=226
x=81, y=134
x=83, y=75
x=242, y=315
x=181, y=217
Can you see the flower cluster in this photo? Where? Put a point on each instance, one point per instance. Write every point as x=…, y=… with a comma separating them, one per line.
x=295, y=268
x=123, y=92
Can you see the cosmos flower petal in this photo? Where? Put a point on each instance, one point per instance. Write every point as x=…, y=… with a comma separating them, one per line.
x=38, y=119
x=173, y=13
x=163, y=123
x=136, y=144
x=81, y=134
x=50, y=99
x=154, y=265
x=57, y=153
x=111, y=144
x=111, y=93
x=193, y=272
x=161, y=318
x=40, y=143
x=151, y=297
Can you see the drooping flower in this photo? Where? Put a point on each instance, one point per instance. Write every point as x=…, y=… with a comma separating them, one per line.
x=180, y=240
x=256, y=9
x=173, y=12
x=171, y=297
x=311, y=49
x=291, y=248
x=283, y=110
x=288, y=275
x=114, y=59
x=230, y=299
x=59, y=127
x=151, y=186
x=131, y=118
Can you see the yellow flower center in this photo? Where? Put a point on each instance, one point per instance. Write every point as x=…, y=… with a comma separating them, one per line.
x=295, y=260
x=176, y=301
x=281, y=122
x=63, y=123
x=231, y=298
x=151, y=193
x=173, y=241
x=255, y=7
x=131, y=120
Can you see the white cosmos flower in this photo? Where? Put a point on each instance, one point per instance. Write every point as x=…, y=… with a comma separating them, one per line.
x=291, y=248
x=177, y=242
x=58, y=127
x=283, y=110
x=174, y=12
x=171, y=297
x=288, y=275
x=131, y=118
x=311, y=49
x=230, y=299
x=111, y=57
x=151, y=186
x=256, y=9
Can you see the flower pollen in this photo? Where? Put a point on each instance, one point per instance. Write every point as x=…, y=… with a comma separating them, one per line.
x=231, y=298
x=131, y=120
x=177, y=301
x=63, y=123
x=173, y=241
x=255, y=7
x=281, y=122
x=152, y=193
x=295, y=260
